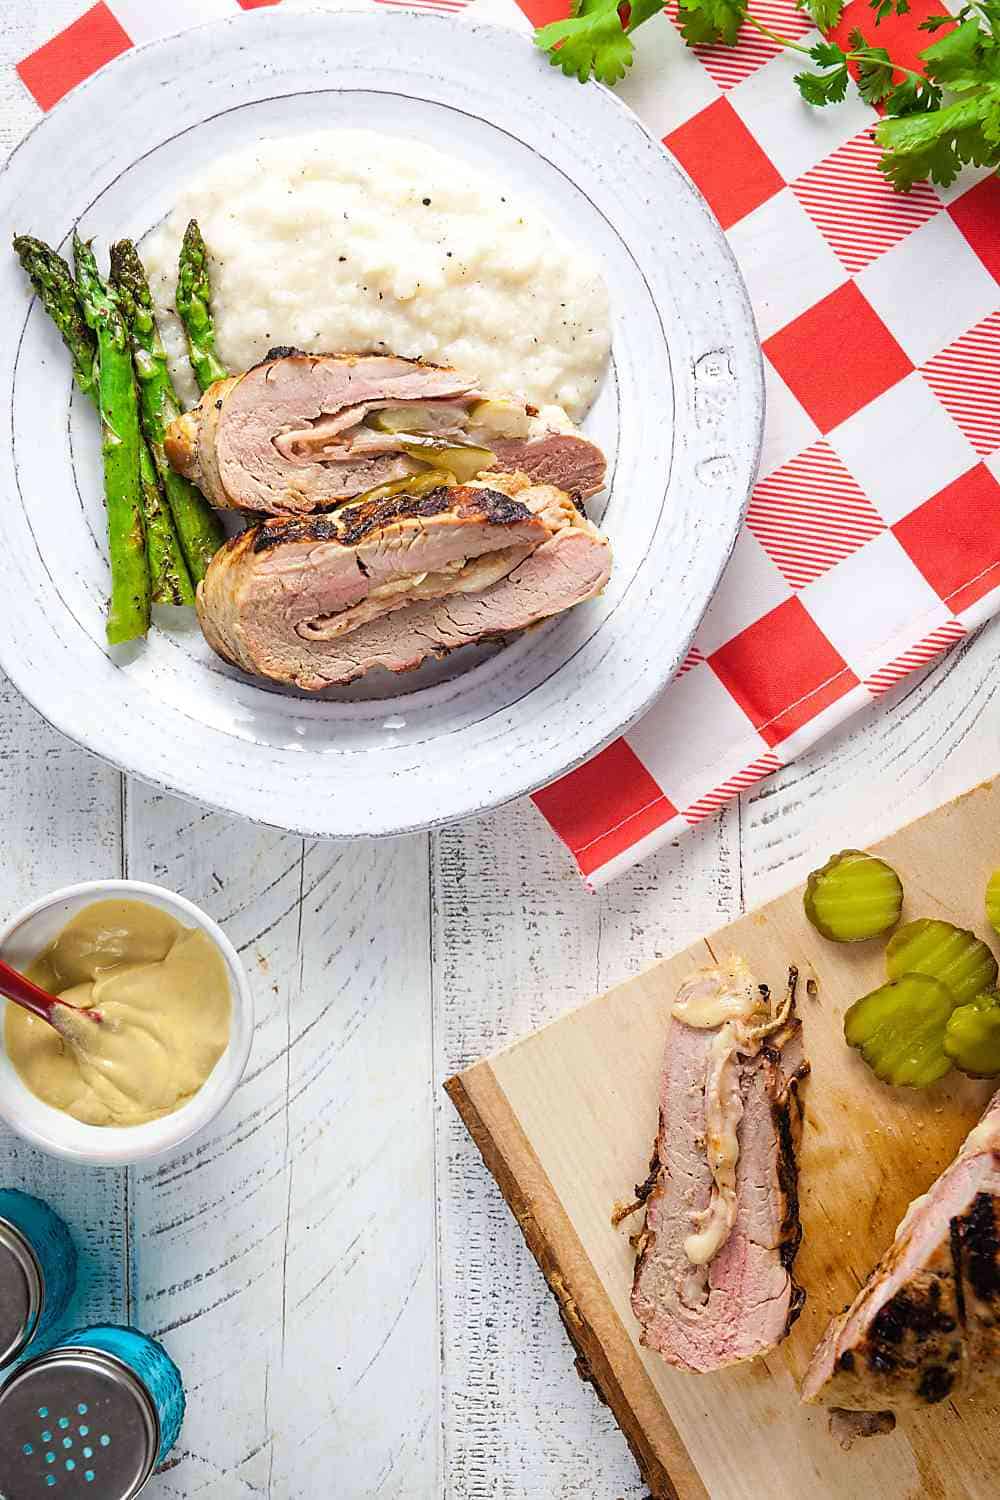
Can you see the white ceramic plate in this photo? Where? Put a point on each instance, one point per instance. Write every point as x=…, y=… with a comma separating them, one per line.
x=680, y=417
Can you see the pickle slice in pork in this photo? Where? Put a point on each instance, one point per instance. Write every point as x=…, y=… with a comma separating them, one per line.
x=951, y=954
x=899, y=1030
x=464, y=461
x=853, y=897
x=504, y=418
x=412, y=418
x=972, y=1036
x=993, y=900
x=413, y=484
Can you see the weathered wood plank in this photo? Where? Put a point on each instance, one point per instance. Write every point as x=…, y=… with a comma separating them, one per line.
x=517, y=940
x=287, y=1257
x=61, y=822
x=930, y=740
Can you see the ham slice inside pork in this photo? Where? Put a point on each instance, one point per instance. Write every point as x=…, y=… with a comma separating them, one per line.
x=294, y=435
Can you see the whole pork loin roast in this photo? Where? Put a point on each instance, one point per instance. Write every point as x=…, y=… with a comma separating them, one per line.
x=926, y=1323
x=300, y=432
x=321, y=600
x=745, y=1299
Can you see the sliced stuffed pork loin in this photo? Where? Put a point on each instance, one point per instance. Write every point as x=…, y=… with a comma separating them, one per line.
x=713, y=1278
x=926, y=1323
x=321, y=600
x=304, y=432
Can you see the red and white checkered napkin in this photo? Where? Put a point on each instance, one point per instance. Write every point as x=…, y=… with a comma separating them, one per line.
x=872, y=541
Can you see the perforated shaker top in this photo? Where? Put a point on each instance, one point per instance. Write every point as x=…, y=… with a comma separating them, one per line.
x=73, y=1424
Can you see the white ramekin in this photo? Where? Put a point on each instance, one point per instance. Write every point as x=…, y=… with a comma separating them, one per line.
x=22, y=939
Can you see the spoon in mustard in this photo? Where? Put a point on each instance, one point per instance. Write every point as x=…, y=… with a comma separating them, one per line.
x=23, y=991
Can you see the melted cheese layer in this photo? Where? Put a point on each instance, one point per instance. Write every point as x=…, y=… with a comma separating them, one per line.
x=725, y=999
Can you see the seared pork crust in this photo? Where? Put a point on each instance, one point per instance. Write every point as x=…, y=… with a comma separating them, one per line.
x=787, y=1113
x=926, y=1324
x=320, y=600
x=354, y=522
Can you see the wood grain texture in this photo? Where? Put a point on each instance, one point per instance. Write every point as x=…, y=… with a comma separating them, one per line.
x=515, y=941
x=61, y=822
x=567, y=1116
x=287, y=1256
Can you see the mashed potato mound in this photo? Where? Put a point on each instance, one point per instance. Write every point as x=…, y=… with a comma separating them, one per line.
x=352, y=240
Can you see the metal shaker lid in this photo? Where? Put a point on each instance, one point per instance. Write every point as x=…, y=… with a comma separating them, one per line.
x=21, y=1292
x=78, y=1423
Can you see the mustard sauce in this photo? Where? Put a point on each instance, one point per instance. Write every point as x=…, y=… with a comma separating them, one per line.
x=162, y=994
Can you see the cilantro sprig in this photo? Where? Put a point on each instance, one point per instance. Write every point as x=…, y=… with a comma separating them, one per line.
x=934, y=122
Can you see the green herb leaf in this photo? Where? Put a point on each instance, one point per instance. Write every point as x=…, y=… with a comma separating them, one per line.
x=884, y=8
x=643, y=10
x=875, y=72
x=939, y=142
x=591, y=42
x=913, y=96
x=711, y=20
x=828, y=54
x=825, y=14
x=964, y=59
x=920, y=137
x=823, y=88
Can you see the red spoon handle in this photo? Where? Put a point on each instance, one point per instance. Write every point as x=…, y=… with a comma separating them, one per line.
x=24, y=992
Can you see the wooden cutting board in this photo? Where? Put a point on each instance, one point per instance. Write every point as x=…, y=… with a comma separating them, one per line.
x=565, y=1121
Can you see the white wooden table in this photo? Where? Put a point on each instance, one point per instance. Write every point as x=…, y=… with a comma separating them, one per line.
x=338, y=1277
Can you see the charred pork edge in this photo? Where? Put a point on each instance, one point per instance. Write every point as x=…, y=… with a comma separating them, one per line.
x=788, y=1113
x=973, y=1239
x=352, y=521
x=576, y=1287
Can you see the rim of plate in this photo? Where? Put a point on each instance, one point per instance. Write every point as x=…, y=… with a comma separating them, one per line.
x=247, y=799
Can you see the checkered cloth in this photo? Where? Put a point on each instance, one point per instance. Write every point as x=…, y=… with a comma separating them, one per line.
x=872, y=541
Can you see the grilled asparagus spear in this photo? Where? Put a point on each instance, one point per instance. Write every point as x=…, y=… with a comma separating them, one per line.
x=128, y=615
x=53, y=282
x=194, y=308
x=199, y=527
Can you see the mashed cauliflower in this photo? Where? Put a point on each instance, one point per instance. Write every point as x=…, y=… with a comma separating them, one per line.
x=350, y=240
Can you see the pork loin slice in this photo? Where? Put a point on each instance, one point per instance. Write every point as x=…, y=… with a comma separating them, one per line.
x=744, y=1299
x=318, y=601
x=926, y=1324
x=290, y=436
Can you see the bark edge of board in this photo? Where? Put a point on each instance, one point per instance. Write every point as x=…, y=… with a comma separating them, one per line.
x=482, y=1105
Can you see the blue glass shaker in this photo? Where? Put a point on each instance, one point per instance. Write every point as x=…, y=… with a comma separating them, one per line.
x=91, y=1417
x=37, y=1271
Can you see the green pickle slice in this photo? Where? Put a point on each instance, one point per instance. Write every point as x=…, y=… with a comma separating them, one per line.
x=416, y=417
x=993, y=900
x=464, y=461
x=414, y=484
x=951, y=954
x=972, y=1036
x=900, y=1029
x=853, y=897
